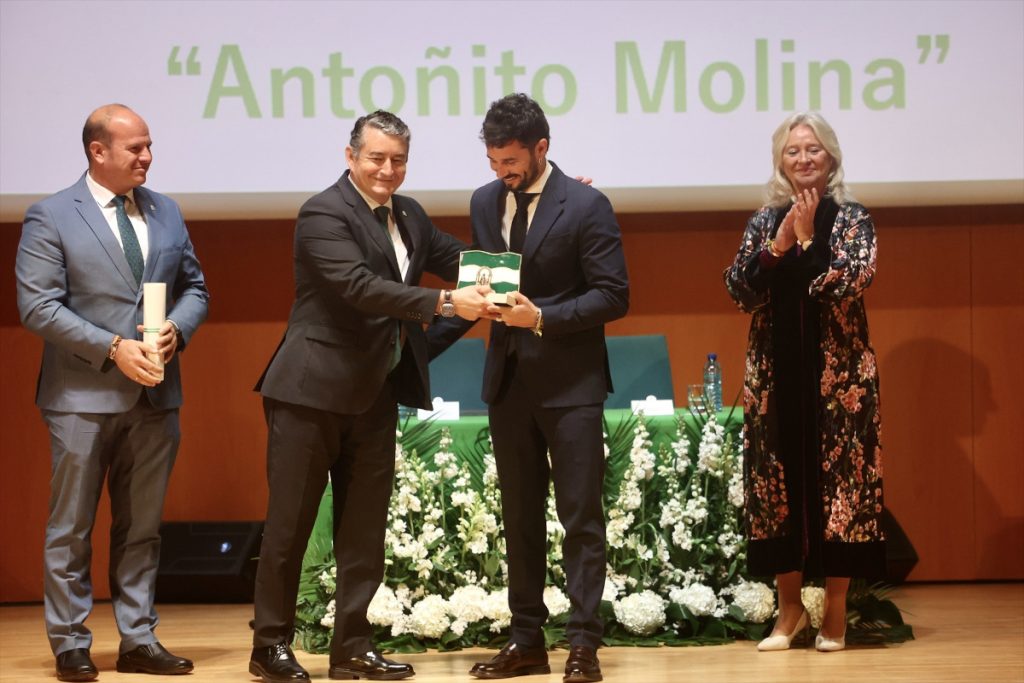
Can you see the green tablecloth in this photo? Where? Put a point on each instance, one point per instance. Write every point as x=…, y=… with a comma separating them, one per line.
x=465, y=432
x=470, y=432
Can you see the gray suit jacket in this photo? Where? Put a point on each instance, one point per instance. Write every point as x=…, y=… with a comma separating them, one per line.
x=349, y=293
x=76, y=291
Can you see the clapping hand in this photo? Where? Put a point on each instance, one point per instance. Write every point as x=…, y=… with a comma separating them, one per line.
x=804, y=209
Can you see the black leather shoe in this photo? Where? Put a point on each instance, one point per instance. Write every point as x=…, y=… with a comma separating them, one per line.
x=370, y=666
x=152, y=659
x=76, y=665
x=513, y=660
x=582, y=665
x=276, y=664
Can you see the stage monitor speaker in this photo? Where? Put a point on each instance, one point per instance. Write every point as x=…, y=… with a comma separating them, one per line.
x=208, y=562
x=899, y=551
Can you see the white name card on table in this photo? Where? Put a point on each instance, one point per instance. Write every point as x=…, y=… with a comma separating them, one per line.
x=154, y=313
x=443, y=410
x=653, y=406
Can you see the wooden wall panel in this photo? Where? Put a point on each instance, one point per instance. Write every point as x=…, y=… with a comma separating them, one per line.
x=920, y=328
x=997, y=415
x=953, y=460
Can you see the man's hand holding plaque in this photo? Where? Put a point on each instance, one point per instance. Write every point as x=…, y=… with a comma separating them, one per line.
x=472, y=302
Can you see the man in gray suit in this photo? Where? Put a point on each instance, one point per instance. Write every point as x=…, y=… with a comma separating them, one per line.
x=83, y=256
x=354, y=349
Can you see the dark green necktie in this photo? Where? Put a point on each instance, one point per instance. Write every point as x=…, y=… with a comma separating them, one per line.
x=129, y=241
x=382, y=213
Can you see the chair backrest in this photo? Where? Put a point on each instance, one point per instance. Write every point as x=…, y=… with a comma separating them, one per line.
x=458, y=375
x=640, y=368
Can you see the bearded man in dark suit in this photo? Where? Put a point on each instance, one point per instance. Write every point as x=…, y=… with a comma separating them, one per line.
x=546, y=378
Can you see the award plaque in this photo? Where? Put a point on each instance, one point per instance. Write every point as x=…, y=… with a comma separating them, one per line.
x=499, y=271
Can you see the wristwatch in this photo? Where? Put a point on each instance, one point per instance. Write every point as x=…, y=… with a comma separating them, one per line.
x=447, y=307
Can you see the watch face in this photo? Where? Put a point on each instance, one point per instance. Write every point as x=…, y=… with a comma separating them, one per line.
x=447, y=310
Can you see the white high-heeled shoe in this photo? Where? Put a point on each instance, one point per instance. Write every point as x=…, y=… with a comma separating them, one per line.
x=826, y=644
x=782, y=641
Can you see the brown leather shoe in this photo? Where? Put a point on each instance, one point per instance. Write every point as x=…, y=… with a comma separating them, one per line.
x=513, y=660
x=76, y=665
x=371, y=666
x=582, y=665
x=152, y=659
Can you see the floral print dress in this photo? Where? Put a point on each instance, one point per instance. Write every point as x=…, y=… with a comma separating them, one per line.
x=812, y=453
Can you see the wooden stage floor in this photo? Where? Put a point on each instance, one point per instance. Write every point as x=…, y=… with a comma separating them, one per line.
x=965, y=633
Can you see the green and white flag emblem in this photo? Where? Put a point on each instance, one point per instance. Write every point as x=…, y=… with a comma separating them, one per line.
x=500, y=271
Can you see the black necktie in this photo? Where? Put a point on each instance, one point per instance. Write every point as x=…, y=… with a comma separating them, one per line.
x=129, y=240
x=517, y=235
x=382, y=213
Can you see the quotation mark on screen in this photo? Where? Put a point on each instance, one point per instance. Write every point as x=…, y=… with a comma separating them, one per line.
x=191, y=63
x=924, y=44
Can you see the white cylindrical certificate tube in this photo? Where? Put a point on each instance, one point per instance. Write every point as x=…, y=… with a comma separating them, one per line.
x=154, y=313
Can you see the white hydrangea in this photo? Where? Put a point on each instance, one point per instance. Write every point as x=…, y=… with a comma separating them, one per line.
x=385, y=609
x=466, y=606
x=328, y=619
x=495, y=608
x=756, y=599
x=813, y=598
x=697, y=597
x=641, y=613
x=429, y=618
x=556, y=601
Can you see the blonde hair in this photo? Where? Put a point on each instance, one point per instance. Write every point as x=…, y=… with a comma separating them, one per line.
x=778, y=191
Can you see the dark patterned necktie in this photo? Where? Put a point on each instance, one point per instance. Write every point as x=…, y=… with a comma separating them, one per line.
x=129, y=240
x=382, y=213
x=517, y=235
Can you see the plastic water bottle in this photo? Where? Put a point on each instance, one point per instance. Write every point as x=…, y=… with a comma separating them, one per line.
x=713, y=382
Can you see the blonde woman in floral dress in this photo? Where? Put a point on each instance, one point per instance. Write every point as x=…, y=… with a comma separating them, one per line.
x=812, y=453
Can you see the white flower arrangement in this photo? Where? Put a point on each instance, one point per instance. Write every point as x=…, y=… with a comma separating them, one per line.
x=674, y=547
x=641, y=613
x=429, y=618
x=698, y=598
x=813, y=598
x=755, y=599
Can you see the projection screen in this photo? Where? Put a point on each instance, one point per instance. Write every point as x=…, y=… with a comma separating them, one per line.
x=668, y=106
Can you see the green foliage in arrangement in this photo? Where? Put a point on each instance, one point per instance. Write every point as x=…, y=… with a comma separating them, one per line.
x=676, y=552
